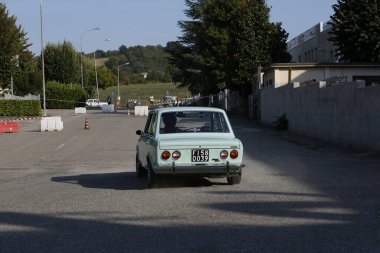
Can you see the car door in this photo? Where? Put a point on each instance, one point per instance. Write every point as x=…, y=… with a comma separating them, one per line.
x=147, y=141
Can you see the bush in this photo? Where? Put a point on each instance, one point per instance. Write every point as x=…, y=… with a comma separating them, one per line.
x=64, y=96
x=20, y=108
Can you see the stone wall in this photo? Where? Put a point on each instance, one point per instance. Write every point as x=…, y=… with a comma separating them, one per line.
x=347, y=114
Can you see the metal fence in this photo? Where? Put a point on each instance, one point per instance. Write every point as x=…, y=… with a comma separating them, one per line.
x=228, y=100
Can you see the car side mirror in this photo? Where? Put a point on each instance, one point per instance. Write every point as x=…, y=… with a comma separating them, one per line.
x=138, y=132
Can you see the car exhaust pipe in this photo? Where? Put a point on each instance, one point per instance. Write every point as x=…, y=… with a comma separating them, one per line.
x=173, y=168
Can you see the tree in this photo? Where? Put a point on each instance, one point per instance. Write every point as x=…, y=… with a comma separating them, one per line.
x=250, y=40
x=356, y=30
x=123, y=50
x=15, y=58
x=142, y=59
x=105, y=76
x=223, y=42
x=277, y=44
x=61, y=63
x=29, y=82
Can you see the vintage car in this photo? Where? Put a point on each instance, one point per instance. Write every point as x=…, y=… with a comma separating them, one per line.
x=188, y=141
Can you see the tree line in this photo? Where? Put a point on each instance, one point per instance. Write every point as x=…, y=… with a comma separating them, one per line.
x=222, y=44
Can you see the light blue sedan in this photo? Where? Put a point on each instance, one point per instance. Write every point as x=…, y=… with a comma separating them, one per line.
x=188, y=141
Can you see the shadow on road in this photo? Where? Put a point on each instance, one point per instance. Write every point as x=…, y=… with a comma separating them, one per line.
x=60, y=233
x=129, y=181
x=344, y=185
x=340, y=212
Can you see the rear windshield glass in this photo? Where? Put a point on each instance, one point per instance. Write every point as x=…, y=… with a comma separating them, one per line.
x=193, y=122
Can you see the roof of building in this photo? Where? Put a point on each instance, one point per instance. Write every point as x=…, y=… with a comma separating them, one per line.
x=320, y=65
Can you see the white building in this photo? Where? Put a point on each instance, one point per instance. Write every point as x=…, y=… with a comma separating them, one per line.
x=313, y=46
x=281, y=74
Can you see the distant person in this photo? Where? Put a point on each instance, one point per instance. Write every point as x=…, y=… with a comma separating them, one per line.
x=129, y=104
x=109, y=100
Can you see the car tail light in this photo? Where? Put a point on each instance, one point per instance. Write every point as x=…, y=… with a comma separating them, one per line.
x=165, y=155
x=224, y=154
x=234, y=154
x=176, y=155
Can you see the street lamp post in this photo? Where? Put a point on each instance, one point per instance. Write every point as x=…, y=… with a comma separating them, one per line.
x=96, y=72
x=118, y=79
x=81, y=50
x=43, y=62
x=96, y=77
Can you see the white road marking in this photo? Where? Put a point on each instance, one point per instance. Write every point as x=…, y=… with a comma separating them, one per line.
x=61, y=146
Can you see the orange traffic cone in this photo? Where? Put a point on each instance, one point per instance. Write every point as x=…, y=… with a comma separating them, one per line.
x=86, y=126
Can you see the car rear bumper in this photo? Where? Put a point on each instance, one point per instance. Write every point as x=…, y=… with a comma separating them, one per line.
x=199, y=169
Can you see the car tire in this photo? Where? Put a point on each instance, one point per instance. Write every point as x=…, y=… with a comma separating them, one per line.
x=152, y=177
x=234, y=180
x=140, y=171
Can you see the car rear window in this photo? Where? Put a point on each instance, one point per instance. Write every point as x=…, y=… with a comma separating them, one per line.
x=193, y=122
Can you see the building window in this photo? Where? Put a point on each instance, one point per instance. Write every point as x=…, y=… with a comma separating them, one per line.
x=316, y=54
x=299, y=58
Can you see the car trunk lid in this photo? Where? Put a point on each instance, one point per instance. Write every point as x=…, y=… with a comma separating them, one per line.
x=183, y=143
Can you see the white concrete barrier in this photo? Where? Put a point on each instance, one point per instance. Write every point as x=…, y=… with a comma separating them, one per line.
x=141, y=110
x=108, y=108
x=80, y=110
x=322, y=84
x=51, y=124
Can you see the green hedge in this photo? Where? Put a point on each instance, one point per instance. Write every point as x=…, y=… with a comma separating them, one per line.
x=20, y=108
x=64, y=96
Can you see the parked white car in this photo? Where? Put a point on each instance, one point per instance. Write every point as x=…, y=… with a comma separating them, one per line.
x=170, y=100
x=94, y=103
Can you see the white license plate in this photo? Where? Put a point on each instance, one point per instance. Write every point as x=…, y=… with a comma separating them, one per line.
x=199, y=155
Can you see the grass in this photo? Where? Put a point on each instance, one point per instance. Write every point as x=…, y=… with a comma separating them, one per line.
x=144, y=91
x=99, y=61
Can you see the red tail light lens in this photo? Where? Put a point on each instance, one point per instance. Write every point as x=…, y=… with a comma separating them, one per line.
x=234, y=154
x=224, y=154
x=176, y=155
x=165, y=155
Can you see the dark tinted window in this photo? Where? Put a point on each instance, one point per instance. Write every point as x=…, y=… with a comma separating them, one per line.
x=193, y=122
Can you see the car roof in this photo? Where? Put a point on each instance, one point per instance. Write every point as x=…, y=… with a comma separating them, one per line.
x=188, y=109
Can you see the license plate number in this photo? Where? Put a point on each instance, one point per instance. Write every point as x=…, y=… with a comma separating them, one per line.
x=199, y=155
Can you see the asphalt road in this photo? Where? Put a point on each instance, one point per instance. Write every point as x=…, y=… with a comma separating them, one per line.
x=76, y=191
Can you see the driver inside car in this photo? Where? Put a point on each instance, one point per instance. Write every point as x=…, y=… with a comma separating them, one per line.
x=170, y=121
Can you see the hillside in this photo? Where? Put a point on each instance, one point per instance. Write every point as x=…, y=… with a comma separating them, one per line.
x=144, y=91
x=149, y=60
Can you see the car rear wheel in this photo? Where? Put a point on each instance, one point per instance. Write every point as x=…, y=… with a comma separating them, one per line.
x=140, y=171
x=234, y=180
x=152, y=177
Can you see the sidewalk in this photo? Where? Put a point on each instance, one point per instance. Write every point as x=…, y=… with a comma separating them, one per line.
x=311, y=143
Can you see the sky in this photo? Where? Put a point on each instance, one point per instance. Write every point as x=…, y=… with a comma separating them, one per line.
x=136, y=22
